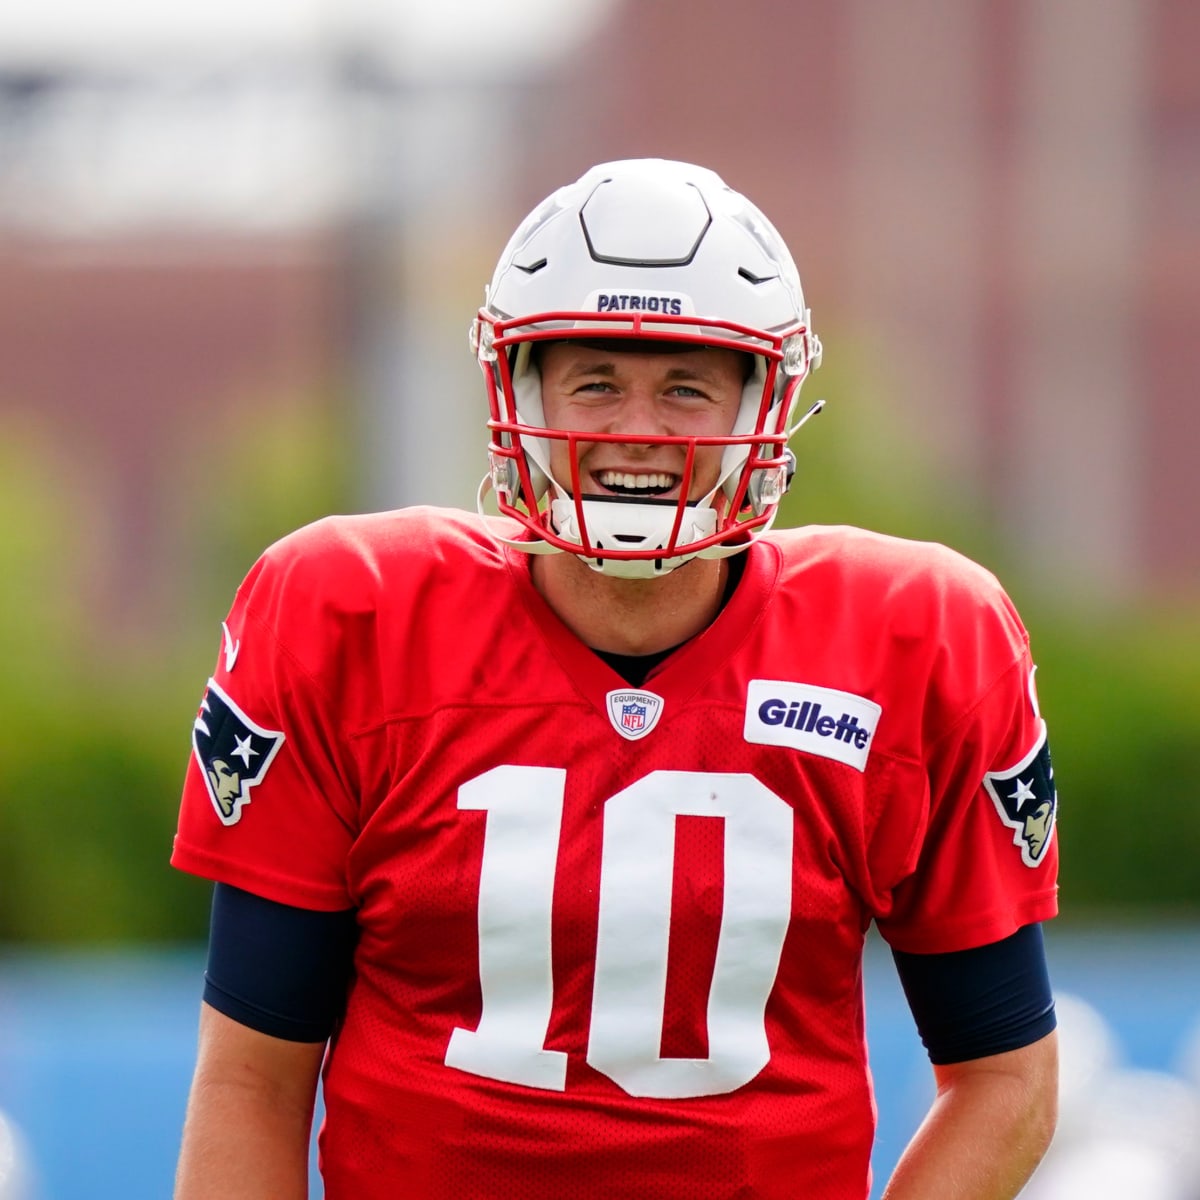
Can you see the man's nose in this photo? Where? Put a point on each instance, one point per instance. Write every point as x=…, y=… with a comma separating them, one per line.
x=641, y=414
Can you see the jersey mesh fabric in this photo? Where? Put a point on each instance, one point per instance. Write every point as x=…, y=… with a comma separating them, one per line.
x=562, y=928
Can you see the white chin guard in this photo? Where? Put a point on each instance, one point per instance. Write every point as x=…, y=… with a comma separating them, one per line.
x=621, y=525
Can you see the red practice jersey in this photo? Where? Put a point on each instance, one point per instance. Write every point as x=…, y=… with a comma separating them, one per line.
x=611, y=936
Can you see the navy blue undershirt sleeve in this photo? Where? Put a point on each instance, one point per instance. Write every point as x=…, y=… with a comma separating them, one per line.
x=974, y=1003
x=276, y=968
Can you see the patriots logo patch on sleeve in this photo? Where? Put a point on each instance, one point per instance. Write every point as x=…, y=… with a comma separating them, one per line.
x=233, y=752
x=1027, y=800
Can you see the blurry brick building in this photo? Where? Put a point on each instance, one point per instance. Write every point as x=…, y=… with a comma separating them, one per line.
x=139, y=356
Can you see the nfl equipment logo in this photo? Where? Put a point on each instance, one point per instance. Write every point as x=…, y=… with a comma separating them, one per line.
x=634, y=714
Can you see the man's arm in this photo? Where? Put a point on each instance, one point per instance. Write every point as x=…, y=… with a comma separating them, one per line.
x=249, y=1115
x=987, y=1129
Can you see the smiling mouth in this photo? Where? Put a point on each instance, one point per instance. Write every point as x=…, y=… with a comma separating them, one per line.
x=636, y=484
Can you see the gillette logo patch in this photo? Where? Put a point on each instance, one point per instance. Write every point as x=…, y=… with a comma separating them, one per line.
x=824, y=721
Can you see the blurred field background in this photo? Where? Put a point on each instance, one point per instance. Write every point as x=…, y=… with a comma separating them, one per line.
x=239, y=249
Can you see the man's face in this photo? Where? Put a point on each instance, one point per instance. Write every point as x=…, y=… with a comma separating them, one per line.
x=608, y=390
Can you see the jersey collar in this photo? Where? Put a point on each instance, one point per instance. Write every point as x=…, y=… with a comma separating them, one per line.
x=684, y=672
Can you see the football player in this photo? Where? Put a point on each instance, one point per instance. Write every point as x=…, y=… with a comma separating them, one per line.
x=550, y=839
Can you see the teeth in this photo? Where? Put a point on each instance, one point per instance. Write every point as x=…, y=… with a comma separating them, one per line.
x=625, y=479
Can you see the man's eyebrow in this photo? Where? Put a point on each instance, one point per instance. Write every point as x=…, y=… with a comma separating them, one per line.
x=690, y=373
x=588, y=367
x=609, y=369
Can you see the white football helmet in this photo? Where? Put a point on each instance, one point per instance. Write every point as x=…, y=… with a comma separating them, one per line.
x=662, y=252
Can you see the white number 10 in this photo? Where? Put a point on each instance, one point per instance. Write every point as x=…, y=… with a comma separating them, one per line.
x=516, y=888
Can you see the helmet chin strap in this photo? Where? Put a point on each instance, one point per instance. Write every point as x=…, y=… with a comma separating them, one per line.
x=595, y=513
x=618, y=525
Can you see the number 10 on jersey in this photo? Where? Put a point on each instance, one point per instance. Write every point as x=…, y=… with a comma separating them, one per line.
x=524, y=807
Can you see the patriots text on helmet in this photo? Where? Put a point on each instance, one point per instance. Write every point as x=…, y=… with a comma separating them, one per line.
x=628, y=302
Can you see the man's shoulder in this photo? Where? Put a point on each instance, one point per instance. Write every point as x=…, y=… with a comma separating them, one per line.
x=917, y=627
x=902, y=589
x=376, y=545
x=880, y=564
x=369, y=563
x=354, y=590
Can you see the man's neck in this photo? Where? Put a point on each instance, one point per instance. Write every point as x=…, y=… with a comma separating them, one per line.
x=631, y=616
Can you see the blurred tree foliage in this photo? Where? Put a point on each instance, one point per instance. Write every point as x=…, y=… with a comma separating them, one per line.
x=95, y=727
x=95, y=734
